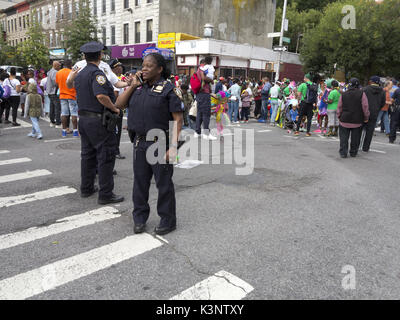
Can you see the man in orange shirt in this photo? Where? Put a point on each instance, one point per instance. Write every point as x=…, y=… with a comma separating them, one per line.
x=69, y=107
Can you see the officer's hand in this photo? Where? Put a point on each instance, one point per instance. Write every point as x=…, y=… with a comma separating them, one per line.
x=171, y=155
x=135, y=79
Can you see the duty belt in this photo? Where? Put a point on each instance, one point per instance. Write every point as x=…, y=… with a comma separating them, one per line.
x=90, y=114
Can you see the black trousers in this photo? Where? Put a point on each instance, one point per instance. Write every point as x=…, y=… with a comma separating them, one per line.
x=257, y=110
x=55, y=109
x=305, y=110
x=394, y=123
x=98, y=152
x=5, y=106
x=245, y=113
x=203, y=111
x=13, y=102
x=344, y=135
x=370, y=130
x=143, y=173
x=119, y=132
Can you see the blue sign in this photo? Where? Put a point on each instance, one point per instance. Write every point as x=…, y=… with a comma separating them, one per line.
x=166, y=53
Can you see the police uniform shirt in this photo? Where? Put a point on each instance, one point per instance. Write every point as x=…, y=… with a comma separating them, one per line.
x=89, y=83
x=151, y=107
x=111, y=76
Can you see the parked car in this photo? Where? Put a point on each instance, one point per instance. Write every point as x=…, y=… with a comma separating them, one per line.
x=7, y=69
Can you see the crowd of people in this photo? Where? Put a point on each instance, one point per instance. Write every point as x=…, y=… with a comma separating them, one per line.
x=340, y=109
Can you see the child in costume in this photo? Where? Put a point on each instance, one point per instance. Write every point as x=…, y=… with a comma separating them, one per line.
x=34, y=109
x=219, y=105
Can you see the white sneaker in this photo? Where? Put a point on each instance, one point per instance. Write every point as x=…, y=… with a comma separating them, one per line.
x=52, y=125
x=196, y=135
x=40, y=137
x=212, y=138
x=58, y=127
x=205, y=137
x=32, y=135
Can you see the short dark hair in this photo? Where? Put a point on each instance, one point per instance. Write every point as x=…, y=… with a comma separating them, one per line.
x=202, y=61
x=93, y=56
x=4, y=76
x=68, y=64
x=335, y=84
x=184, y=86
x=13, y=71
x=208, y=59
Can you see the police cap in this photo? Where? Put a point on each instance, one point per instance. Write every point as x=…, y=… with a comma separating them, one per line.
x=92, y=47
x=114, y=63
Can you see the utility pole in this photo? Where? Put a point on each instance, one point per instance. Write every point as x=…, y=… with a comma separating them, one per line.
x=281, y=39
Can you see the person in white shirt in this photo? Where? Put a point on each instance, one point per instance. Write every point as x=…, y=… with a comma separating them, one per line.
x=14, y=98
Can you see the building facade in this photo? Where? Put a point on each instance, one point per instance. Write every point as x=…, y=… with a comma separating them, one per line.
x=15, y=22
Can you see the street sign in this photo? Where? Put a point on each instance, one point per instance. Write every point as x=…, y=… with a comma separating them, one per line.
x=286, y=25
x=274, y=35
x=278, y=48
x=287, y=40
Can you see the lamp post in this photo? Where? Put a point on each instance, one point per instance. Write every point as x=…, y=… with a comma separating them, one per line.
x=281, y=39
x=298, y=42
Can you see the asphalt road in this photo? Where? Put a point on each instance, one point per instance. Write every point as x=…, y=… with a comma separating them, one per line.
x=286, y=231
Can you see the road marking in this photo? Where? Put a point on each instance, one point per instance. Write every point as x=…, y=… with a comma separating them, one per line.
x=377, y=151
x=45, y=119
x=41, y=195
x=4, y=151
x=23, y=124
x=24, y=175
x=222, y=286
x=62, y=140
x=262, y=131
x=386, y=144
x=13, y=161
x=51, y=276
x=61, y=225
x=189, y=164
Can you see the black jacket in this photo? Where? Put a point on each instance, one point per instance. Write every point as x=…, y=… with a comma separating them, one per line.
x=376, y=100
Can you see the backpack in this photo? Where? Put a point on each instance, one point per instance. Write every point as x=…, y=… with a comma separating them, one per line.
x=312, y=94
x=7, y=90
x=265, y=91
x=195, y=83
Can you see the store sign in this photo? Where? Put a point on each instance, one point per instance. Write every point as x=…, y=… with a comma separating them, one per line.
x=129, y=52
x=58, y=53
x=166, y=53
x=166, y=40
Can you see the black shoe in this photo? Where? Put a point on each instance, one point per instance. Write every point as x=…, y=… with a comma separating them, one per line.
x=118, y=156
x=164, y=230
x=7, y=121
x=88, y=195
x=16, y=124
x=391, y=141
x=353, y=155
x=113, y=199
x=139, y=228
x=343, y=156
x=366, y=151
x=114, y=172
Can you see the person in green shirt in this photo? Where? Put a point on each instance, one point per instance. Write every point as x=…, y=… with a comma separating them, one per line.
x=333, y=100
x=306, y=109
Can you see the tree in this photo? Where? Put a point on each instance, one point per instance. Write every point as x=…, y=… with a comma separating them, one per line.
x=33, y=51
x=83, y=29
x=304, y=5
x=299, y=23
x=372, y=48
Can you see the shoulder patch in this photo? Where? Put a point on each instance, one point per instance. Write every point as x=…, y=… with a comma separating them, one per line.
x=101, y=80
x=178, y=92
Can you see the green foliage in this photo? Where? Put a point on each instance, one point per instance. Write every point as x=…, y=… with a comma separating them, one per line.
x=372, y=48
x=83, y=29
x=304, y=5
x=33, y=51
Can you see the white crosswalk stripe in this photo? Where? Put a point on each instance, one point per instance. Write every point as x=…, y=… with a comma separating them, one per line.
x=62, y=225
x=41, y=195
x=24, y=175
x=4, y=151
x=221, y=286
x=51, y=276
x=23, y=124
x=14, y=161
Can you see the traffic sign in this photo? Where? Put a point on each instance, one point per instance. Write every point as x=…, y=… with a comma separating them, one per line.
x=274, y=35
x=278, y=48
x=285, y=39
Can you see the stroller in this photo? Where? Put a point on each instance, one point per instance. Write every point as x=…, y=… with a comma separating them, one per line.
x=288, y=122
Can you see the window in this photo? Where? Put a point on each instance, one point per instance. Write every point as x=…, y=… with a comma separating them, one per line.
x=70, y=11
x=95, y=7
x=27, y=20
x=20, y=24
x=62, y=38
x=112, y=6
x=50, y=14
x=112, y=34
x=104, y=7
x=137, y=3
x=8, y=23
x=149, y=30
x=126, y=33
x=50, y=40
x=56, y=37
x=137, y=32
x=76, y=8
x=126, y=4
x=56, y=11
x=24, y=21
x=15, y=24
x=104, y=34
x=61, y=11
x=149, y=1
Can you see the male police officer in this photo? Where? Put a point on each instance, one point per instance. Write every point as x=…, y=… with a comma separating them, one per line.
x=95, y=95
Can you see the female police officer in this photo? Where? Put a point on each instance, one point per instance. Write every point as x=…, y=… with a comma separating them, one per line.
x=153, y=102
